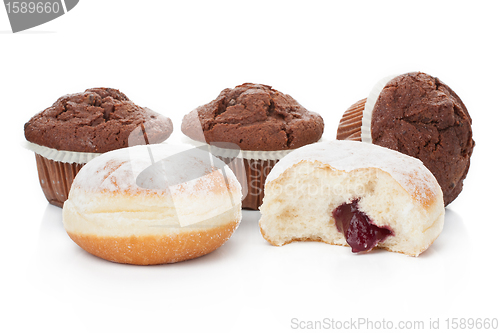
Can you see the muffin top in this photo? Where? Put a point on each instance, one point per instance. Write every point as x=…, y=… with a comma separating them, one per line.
x=255, y=117
x=96, y=121
x=420, y=116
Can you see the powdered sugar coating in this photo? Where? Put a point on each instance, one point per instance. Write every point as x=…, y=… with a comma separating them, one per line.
x=345, y=155
x=160, y=169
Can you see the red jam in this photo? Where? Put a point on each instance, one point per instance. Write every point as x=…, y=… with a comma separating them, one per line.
x=359, y=231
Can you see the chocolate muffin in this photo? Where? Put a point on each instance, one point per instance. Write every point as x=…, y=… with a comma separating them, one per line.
x=95, y=121
x=418, y=115
x=257, y=119
x=78, y=127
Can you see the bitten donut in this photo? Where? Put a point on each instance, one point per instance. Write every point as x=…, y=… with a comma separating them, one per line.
x=352, y=193
x=153, y=204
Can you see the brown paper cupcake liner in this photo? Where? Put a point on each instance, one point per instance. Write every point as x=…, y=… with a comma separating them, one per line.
x=350, y=124
x=254, y=173
x=57, y=169
x=56, y=178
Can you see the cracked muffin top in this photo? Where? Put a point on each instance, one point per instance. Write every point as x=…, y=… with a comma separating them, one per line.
x=418, y=115
x=95, y=121
x=255, y=117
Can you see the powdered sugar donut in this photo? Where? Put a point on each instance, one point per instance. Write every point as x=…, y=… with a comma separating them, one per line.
x=352, y=193
x=153, y=204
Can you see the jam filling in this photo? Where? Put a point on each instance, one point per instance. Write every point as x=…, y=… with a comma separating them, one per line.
x=359, y=231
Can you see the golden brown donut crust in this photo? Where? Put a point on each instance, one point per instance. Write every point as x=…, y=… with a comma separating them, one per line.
x=156, y=249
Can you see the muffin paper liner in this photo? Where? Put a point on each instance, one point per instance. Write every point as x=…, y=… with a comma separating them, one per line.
x=56, y=178
x=350, y=124
x=252, y=175
x=246, y=154
x=60, y=155
x=366, y=121
x=57, y=169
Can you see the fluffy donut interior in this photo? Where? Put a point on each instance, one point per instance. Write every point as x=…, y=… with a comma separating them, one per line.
x=298, y=205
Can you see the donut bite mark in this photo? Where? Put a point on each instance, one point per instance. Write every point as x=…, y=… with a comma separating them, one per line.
x=352, y=194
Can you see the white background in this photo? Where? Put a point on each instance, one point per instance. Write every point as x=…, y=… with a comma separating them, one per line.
x=174, y=56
